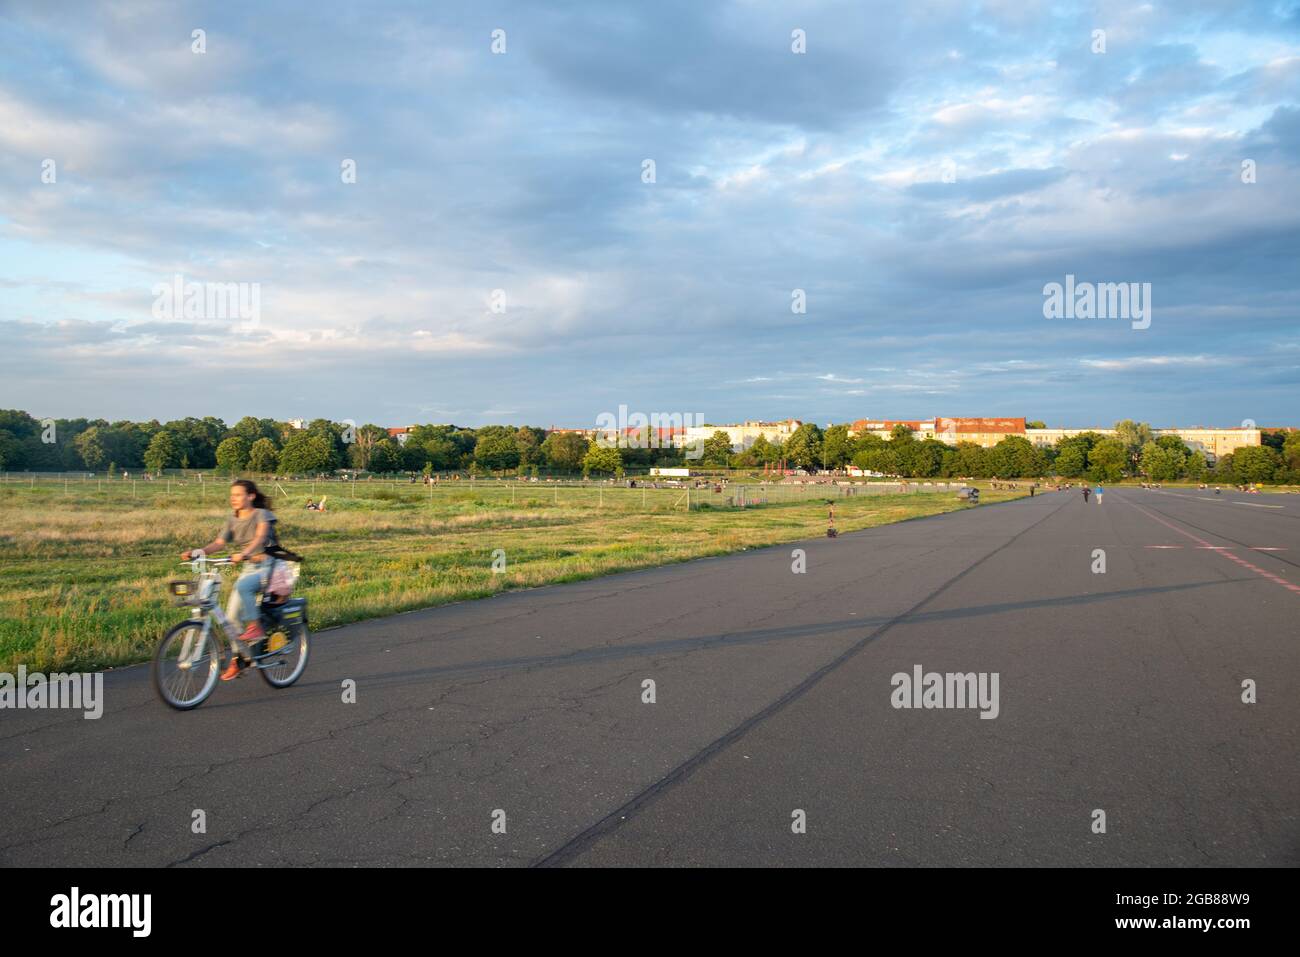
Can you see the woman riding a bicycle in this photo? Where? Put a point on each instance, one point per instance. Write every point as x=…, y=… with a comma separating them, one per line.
x=251, y=530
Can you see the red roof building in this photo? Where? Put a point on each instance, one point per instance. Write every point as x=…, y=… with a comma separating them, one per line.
x=980, y=426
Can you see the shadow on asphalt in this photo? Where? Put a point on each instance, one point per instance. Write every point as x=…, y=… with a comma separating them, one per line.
x=755, y=637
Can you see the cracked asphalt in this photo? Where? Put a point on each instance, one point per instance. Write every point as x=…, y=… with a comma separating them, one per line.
x=1119, y=691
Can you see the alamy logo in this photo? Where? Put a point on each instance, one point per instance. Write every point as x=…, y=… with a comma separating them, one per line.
x=948, y=690
x=103, y=910
x=1107, y=300
x=179, y=299
x=654, y=431
x=84, y=692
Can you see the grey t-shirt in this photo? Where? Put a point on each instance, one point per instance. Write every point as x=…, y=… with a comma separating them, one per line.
x=241, y=531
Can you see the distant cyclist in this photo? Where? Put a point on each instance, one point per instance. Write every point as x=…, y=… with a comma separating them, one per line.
x=251, y=529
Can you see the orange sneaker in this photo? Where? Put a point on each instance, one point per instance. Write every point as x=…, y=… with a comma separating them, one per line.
x=253, y=633
x=233, y=669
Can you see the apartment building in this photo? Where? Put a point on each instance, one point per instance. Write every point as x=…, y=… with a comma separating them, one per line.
x=987, y=432
x=922, y=429
x=1213, y=442
x=742, y=436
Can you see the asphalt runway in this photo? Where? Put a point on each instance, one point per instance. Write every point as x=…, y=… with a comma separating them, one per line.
x=1117, y=691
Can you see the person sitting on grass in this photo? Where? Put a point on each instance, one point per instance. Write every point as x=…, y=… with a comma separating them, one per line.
x=251, y=529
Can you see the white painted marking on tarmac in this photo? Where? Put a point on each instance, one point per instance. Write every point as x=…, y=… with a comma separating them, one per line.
x=1226, y=554
x=1226, y=548
x=1210, y=500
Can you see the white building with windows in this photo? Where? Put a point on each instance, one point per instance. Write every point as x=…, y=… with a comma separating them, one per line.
x=742, y=436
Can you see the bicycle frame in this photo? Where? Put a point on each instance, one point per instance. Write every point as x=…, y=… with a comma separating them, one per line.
x=208, y=610
x=194, y=647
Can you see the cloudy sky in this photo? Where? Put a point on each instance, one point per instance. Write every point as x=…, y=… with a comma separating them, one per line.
x=920, y=175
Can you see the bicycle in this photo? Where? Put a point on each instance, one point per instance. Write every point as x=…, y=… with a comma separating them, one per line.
x=187, y=662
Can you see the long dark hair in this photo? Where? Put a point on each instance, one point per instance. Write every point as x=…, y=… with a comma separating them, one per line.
x=259, y=497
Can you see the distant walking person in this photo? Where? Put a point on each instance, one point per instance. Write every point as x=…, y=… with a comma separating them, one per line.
x=1086, y=492
x=1099, y=491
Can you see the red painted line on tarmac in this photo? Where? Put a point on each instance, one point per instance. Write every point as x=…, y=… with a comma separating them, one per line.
x=1222, y=551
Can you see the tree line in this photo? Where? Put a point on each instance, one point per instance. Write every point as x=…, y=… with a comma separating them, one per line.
x=268, y=446
x=1133, y=451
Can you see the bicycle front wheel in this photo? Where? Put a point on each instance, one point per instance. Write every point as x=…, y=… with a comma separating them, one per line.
x=186, y=665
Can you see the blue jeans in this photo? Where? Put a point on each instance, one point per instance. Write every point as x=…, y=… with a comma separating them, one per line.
x=242, y=608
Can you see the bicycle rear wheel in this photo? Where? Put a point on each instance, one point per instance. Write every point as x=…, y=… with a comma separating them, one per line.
x=185, y=666
x=288, y=645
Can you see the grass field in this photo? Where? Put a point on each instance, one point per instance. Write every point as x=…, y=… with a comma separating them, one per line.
x=84, y=566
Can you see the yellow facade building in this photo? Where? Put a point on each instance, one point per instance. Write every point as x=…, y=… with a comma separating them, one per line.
x=1213, y=442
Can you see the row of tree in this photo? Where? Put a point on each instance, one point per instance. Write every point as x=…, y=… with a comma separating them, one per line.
x=272, y=447
x=902, y=454
x=1135, y=452
x=1132, y=452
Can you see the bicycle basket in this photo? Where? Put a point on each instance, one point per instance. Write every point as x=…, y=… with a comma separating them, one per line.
x=184, y=592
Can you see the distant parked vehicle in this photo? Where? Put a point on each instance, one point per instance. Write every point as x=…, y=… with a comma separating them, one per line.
x=971, y=495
